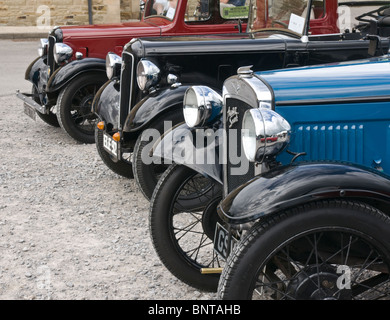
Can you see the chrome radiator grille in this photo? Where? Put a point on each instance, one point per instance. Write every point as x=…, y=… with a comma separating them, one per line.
x=126, y=84
x=237, y=170
x=50, y=54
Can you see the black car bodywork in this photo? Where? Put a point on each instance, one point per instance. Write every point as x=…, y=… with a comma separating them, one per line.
x=238, y=98
x=209, y=60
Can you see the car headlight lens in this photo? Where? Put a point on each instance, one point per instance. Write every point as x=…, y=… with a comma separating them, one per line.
x=113, y=65
x=62, y=52
x=148, y=74
x=265, y=134
x=42, y=50
x=201, y=105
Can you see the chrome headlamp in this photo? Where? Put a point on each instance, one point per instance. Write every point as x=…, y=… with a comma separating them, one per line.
x=44, y=45
x=200, y=105
x=62, y=52
x=113, y=65
x=148, y=74
x=265, y=134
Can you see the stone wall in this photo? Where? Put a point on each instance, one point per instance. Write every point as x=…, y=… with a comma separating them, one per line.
x=49, y=13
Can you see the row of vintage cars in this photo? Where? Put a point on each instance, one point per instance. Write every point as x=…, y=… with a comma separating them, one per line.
x=260, y=133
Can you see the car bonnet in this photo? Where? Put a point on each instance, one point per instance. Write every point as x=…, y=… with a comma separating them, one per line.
x=337, y=81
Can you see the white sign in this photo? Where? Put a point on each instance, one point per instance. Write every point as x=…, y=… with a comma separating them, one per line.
x=296, y=24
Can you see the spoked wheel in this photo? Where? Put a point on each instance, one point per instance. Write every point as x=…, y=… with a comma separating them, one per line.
x=49, y=118
x=74, y=107
x=323, y=251
x=146, y=171
x=182, y=223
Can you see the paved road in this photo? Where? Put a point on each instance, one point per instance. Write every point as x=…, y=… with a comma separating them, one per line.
x=15, y=58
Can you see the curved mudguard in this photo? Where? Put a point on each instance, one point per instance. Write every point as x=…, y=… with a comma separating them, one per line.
x=198, y=149
x=37, y=73
x=65, y=74
x=153, y=106
x=32, y=71
x=106, y=104
x=293, y=185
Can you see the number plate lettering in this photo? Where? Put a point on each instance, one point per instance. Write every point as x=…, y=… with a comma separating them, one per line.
x=221, y=242
x=110, y=145
x=30, y=111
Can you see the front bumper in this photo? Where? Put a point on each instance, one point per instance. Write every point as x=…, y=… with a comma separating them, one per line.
x=38, y=74
x=29, y=102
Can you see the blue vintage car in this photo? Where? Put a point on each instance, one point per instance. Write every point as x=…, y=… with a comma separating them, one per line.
x=302, y=174
x=321, y=224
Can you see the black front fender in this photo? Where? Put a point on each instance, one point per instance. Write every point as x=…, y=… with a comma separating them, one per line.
x=154, y=105
x=106, y=104
x=293, y=185
x=32, y=71
x=198, y=149
x=37, y=73
x=65, y=74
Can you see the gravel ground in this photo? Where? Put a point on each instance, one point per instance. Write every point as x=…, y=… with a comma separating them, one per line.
x=69, y=227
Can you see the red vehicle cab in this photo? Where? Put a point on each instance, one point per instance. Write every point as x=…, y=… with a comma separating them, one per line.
x=71, y=64
x=188, y=19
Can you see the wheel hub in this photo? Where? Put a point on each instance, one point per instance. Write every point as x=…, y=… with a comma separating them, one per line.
x=86, y=104
x=317, y=283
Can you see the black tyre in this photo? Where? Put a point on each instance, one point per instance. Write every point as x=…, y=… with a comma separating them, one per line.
x=74, y=106
x=324, y=250
x=121, y=167
x=147, y=173
x=182, y=223
x=49, y=118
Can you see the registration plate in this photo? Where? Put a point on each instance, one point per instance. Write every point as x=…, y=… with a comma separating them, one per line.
x=222, y=245
x=110, y=145
x=30, y=111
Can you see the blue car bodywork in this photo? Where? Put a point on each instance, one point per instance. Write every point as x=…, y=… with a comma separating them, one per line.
x=340, y=125
x=337, y=112
x=304, y=213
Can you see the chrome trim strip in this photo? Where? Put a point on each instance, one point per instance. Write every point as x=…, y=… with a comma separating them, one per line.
x=30, y=102
x=306, y=102
x=224, y=151
x=251, y=90
x=130, y=89
x=50, y=54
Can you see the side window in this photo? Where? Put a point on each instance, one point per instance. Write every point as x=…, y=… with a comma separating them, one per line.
x=318, y=9
x=353, y=14
x=234, y=9
x=197, y=10
x=165, y=8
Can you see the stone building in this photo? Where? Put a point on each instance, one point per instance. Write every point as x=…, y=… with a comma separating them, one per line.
x=46, y=13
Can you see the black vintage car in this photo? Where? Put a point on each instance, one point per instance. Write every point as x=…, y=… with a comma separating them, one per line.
x=71, y=63
x=183, y=208
x=156, y=72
